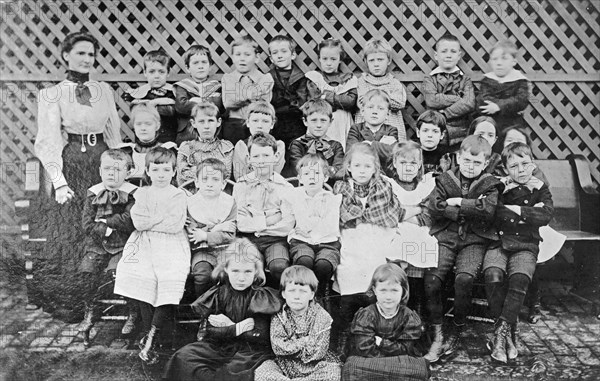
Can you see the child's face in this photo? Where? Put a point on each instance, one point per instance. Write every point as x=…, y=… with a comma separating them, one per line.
x=199, y=67
x=210, y=182
x=448, y=54
x=429, y=135
x=206, y=125
x=297, y=296
x=388, y=294
x=317, y=124
x=378, y=63
x=362, y=168
x=281, y=54
x=330, y=59
x=514, y=136
x=113, y=172
x=155, y=73
x=259, y=122
x=520, y=169
x=262, y=159
x=408, y=166
x=502, y=62
x=312, y=177
x=471, y=165
x=244, y=58
x=487, y=131
x=145, y=126
x=375, y=111
x=160, y=174
x=241, y=274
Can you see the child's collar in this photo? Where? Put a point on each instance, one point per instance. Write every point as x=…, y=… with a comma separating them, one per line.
x=439, y=70
x=125, y=187
x=253, y=74
x=512, y=76
x=142, y=91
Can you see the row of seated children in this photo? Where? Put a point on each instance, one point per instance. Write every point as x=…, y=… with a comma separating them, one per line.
x=503, y=93
x=368, y=217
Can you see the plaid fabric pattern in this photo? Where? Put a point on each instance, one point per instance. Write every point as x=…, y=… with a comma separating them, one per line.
x=381, y=207
x=385, y=368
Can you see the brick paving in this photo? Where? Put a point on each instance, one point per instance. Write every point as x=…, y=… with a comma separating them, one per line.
x=566, y=341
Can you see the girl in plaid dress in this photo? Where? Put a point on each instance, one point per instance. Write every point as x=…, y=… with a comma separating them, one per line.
x=384, y=334
x=368, y=221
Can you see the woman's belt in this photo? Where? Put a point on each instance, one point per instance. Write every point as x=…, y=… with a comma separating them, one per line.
x=88, y=139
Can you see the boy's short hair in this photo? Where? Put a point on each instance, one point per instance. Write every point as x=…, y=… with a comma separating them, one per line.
x=301, y=275
x=402, y=148
x=506, y=45
x=144, y=108
x=475, y=144
x=197, y=49
x=245, y=40
x=377, y=45
x=118, y=154
x=206, y=108
x=262, y=140
x=332, y=43
x=520, y=130
x=320, y=106
x=284, y=38
x=311, y=159
x=432, y=117
x=215, y=164
x=374, y=93
x=159, y=56
x=261, y=107
x=447, y=37
x=515, y=149
x=161, y=155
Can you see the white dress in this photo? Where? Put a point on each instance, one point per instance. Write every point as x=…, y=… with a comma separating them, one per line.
x=156, y=258
x=416, y=246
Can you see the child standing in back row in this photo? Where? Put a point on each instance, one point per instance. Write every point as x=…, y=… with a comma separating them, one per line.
x=289, y=90
x=449, y=91
x=377, y=54
x=336, y=87
x=244, y=85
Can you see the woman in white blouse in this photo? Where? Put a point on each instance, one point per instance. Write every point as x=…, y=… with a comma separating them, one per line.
x=77, y=121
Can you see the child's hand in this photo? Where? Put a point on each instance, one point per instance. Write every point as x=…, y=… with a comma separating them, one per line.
x=514, y=208
x=224, y=226
x=489, y=108
x=138, y=101
x=378, y=340
x=273, y=219
x=387, y=140
x=454, y=201
x=539, y=205
x=220, y=321
x=197, y=235
x=196, y=100
x=245, y=325
x=326, y=94
x=161, y=102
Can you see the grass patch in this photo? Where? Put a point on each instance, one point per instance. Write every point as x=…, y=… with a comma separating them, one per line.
x=96, y=363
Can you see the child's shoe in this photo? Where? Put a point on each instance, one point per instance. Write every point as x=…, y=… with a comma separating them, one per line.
x=438, y=347
x=535, y=314
x=454, y=338
x=499, y=342
x=148, y=347
x=201, y=330
x=511, y=341
x=129, y=325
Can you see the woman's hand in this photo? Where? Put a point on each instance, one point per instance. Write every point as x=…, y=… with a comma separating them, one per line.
x=63, y=194
x=219, y=320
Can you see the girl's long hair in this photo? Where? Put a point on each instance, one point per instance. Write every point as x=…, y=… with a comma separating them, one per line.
x=390, y=272
x=241, y=250
x=365, y=149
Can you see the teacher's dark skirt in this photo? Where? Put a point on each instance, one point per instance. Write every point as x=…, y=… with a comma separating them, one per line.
x=55, y=286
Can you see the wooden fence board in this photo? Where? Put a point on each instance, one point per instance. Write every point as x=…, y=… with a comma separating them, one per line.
x=559, y=46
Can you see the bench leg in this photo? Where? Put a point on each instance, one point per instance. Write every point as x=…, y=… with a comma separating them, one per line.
x=586, y=282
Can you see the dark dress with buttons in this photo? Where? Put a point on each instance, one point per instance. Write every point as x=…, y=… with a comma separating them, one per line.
x=222, y=355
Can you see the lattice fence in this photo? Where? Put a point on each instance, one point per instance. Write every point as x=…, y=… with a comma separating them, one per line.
x=559, y=41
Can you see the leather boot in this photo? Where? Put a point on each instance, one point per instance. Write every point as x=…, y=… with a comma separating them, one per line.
x=511, y=342
x=499, y=342
x=88, y=319
x=129, y=325
x=148, y=353
x=438, y=347
x=453, y=340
